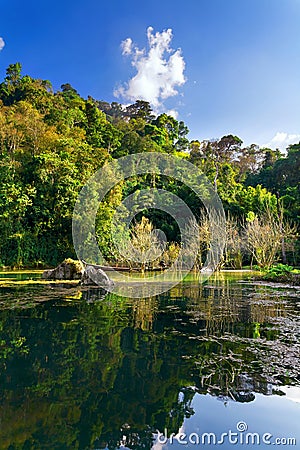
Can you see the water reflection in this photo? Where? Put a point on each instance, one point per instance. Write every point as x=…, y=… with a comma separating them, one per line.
x=81, y=369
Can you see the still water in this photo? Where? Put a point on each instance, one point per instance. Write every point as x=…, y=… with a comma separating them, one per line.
x=204, y=365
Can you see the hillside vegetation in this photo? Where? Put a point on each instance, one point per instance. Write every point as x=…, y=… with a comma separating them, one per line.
x=52, y=142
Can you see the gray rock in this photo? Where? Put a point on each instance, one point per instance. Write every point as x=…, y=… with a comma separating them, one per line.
x=96, y=277
x=69, y=269
x=90, y=275
x=46, y=275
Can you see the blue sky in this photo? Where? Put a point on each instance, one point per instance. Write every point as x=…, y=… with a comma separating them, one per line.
x=241, y=58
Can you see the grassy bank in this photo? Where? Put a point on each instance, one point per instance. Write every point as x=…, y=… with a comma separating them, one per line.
x=282, y=273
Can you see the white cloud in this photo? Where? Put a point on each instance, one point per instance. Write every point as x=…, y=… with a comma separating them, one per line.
x=2, y=43
x=173, y=113
x=159, y=70
x=282, y=140
x=126, y=46
x=291, y=393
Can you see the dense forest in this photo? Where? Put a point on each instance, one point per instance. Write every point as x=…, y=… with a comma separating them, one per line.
x=52, y=142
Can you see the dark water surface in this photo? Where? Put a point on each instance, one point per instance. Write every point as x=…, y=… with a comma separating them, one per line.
x=81, y=370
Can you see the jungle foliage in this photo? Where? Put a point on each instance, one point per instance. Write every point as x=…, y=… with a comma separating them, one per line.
x=52, y=142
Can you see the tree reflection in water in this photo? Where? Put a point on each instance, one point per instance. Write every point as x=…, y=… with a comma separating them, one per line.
x=81, y=370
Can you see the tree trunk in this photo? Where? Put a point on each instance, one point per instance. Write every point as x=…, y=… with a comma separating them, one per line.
x=284, y=260
x=216, y=177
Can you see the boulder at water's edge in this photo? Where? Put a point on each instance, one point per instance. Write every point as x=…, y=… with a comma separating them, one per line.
x=69, y=269
x=95, y=276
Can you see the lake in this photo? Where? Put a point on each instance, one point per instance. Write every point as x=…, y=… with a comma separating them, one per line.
x=203, y=365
